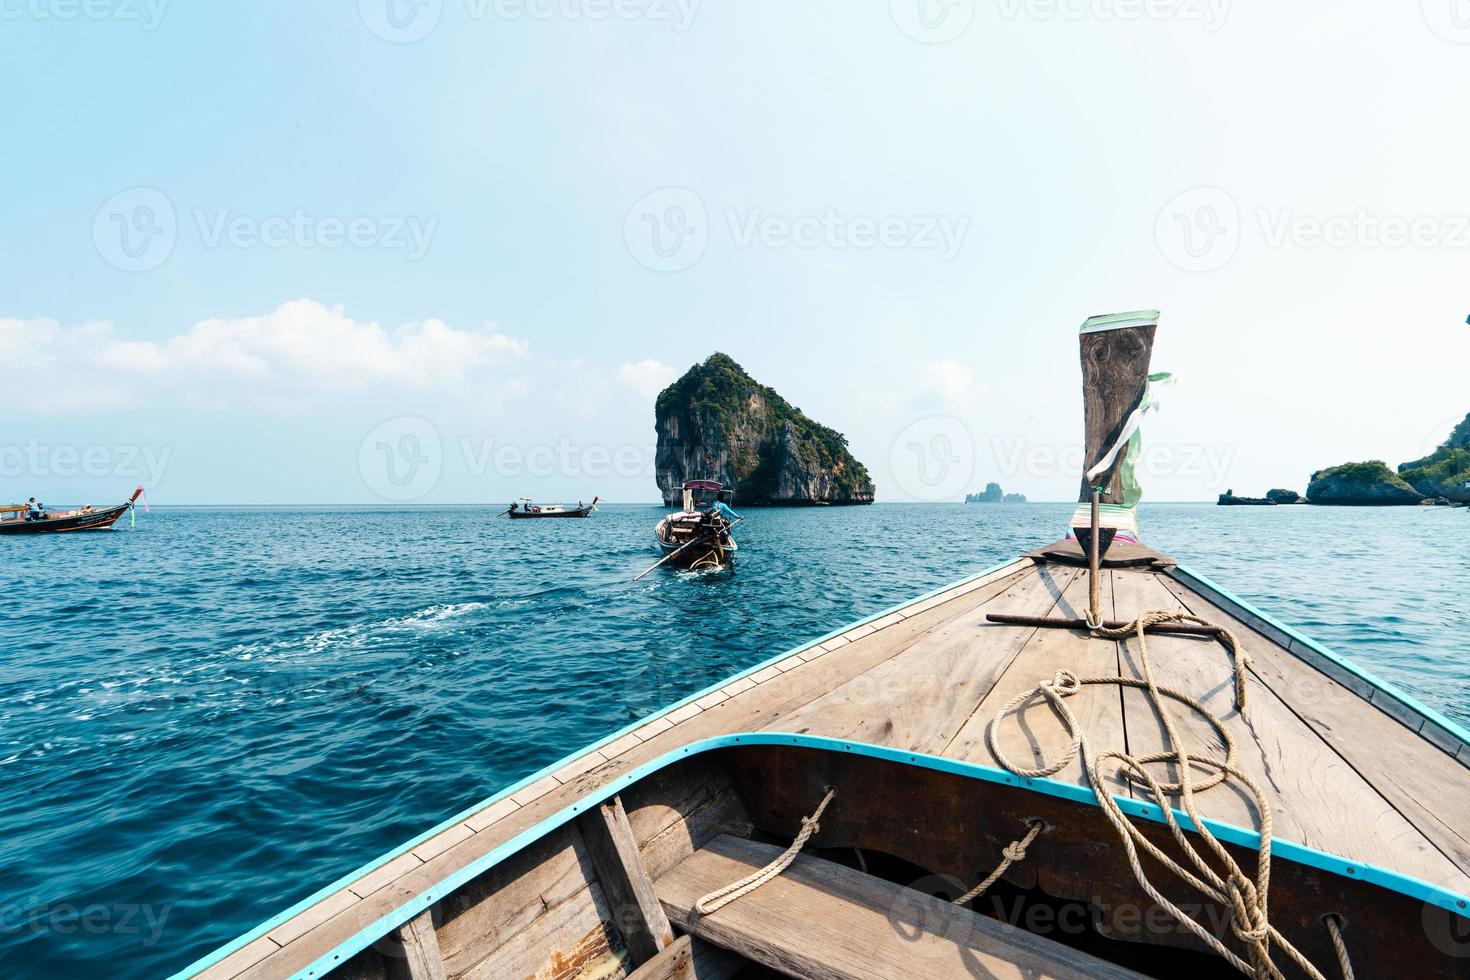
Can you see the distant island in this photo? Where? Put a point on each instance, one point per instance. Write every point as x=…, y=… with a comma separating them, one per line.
x=1442, y=477
x=719, y=423
x=992, y=494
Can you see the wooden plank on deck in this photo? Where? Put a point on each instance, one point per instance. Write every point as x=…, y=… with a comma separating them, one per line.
x=635, y=908
x=823, y=920
x=918, y=699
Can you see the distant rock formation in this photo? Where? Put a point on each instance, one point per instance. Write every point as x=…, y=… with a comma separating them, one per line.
x=719, y=423
x=1284, y=496
x=1361, y=484
x=1229, y=499
x=992, y=494
x=1446, y=471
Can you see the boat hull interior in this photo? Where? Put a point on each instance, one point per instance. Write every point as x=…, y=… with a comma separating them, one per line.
x=911, y=827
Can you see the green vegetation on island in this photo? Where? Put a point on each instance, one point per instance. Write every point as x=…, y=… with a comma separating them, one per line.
x=719, y=423
x=1442, y=476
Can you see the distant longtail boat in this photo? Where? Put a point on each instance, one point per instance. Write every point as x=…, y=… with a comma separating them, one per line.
x=15, y=520
x=525, y=509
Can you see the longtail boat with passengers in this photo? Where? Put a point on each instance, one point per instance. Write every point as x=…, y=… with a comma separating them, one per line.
x=1088, y=761
x=524, y=509
x=698, y=536
x=14, y=518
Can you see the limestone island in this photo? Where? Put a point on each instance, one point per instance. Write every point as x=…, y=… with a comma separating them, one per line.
x=718, y=423
x=992, y=494
x=1442, y=477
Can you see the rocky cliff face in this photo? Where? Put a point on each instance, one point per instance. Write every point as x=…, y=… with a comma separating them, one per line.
x=1445, y=472
x=1361, y=484
x=719, y=423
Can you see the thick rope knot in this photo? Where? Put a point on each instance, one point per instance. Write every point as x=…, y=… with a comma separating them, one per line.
x=1064, y=683
x=1010, y=854
x=1248, y=919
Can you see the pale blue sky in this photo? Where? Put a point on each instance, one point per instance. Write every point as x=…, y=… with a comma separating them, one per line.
x=900, y=212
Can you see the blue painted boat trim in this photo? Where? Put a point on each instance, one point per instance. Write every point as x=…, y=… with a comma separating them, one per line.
x=1229, y=833
x=1408, y=700
x=326, y=891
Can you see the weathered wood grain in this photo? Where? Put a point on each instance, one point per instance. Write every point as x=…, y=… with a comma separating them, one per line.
x=420, y=948
x=824, y=921
x=917, y=699
x=1114, y=374
x=625, y=881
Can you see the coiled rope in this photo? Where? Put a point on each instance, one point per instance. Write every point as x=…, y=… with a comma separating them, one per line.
x=1245, y=898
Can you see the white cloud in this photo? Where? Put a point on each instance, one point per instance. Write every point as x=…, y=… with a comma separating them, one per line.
x=301, y=348
x=647, y=377
x=951, y=380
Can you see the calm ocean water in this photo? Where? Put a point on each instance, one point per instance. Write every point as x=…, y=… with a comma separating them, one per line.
x=205, y=720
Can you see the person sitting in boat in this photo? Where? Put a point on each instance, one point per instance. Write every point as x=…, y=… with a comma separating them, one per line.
x=722, y=509
x=34, y=511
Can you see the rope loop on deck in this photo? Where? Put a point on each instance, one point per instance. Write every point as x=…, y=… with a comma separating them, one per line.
x=1244, y=897
x=721, y=897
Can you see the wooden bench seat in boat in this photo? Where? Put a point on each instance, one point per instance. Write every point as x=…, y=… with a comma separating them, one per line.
x=820, y=919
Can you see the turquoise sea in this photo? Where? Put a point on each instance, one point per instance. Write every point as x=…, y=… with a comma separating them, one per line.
x=206, y=719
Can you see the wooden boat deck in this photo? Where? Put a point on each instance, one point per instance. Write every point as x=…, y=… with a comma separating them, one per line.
x=1349, y=769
